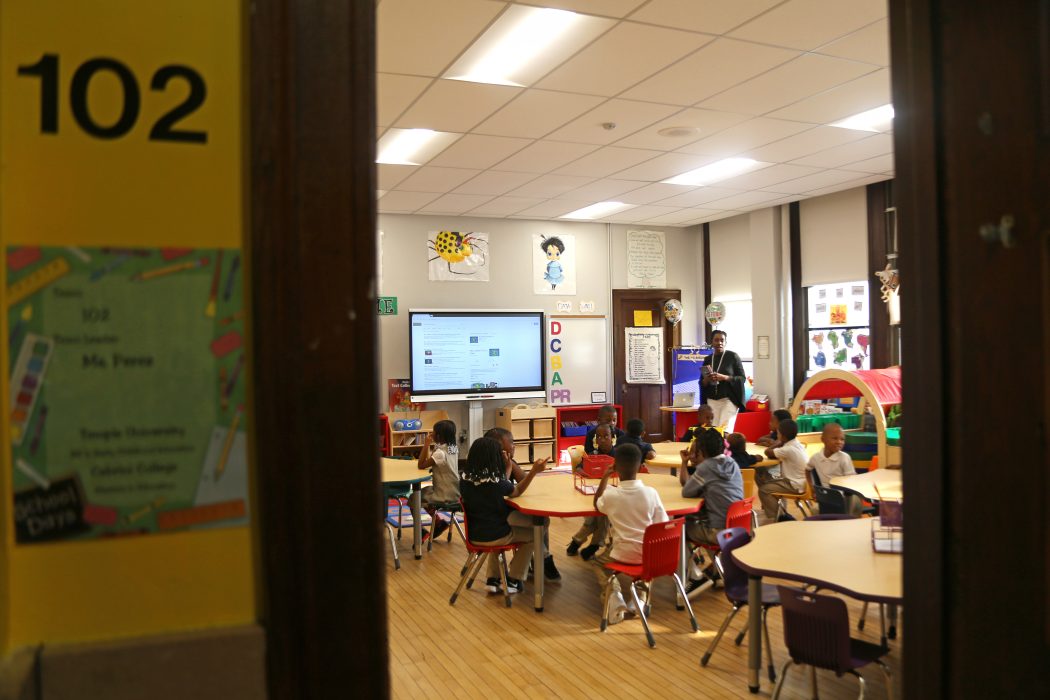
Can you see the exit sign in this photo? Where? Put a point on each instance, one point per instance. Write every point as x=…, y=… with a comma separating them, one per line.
x=387, y=306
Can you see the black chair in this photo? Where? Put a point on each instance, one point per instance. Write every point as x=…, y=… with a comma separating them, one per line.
x=830, y=500
x=451, y=508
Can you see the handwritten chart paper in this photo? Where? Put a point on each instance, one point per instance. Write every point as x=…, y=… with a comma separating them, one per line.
x=646, y=259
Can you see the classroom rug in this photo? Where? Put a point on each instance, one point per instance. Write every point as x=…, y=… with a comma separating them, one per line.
x=406, y=516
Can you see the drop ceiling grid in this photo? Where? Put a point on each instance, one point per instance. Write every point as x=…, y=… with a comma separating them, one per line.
x=552, y=147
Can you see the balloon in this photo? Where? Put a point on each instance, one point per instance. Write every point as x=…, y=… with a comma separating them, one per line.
x=673, y=311
x=715, y=312
x=576, y=453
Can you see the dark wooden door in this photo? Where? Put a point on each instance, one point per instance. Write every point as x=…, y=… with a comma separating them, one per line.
x=971, y=89
x=643, y=400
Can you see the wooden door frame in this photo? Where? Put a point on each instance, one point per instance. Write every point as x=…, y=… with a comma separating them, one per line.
x=317, y=496
x=671, y=337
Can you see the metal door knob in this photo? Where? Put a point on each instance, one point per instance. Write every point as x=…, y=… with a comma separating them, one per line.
x=1003, y=232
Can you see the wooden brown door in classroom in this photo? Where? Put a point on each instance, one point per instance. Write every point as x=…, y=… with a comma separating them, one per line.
x=643, y=400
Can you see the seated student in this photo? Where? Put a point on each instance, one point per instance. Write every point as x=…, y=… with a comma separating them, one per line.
x=516, y=474
x=738, y=451
x=717, y=478
x=774, y=420
x=441, y=455
x=793, y=458
x=832, y=461
x=606, y=416
x=594, y=526
x=705, y=416
x=635, y=431
x=631, y=507
x=484, y=487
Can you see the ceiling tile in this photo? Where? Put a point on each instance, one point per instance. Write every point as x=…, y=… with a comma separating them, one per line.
x=874, y=145
x=628, y=117
x=606, y=161
x=390, y=175
x=879, y=164
x=394, y=93
x=602, y=190
x=870, y=44
x=629, y=216
x=767, y=176
x=494, y=182
x=663, y=167
x=401, y=202
x=551, y=209
x=433, y=179
x=679, y=217
x=478, y=151
x=854, y=97
x=849, y=185
x=606, y=8
x=711, y=16
x=543, y=156
x=824, y=178
x=706, y=120
x=551, y=186
x=807, y=24
x=716, y=67
x=623, y=56
x=454, y=204
x=503, y=206
x=716, y=217
x=744, y=199
x=702, y=195
x=653, y=193
x=408, y=32
x=801, y=144
x=536, y=113
x=787, y=84
x=455, y=105
x=745, y=136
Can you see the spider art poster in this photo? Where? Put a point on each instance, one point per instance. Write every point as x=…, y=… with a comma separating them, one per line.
x=457, y=256
x=553, y=264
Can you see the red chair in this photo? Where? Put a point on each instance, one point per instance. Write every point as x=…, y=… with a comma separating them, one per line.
x=740, y=514
x=476, y=558
x=660, y=549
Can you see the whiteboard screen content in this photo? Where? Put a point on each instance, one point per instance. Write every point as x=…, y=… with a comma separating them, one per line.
x=461, y=354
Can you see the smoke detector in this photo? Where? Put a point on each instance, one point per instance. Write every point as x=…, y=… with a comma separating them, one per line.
x=679, y=132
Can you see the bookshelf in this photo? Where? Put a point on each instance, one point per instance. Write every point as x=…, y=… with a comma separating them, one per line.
x=408, y=443
x=533, y=431
x=580, y=414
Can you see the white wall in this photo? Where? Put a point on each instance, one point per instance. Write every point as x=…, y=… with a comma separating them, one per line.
x=834, y=237
x=730, y=258
x=602, y=266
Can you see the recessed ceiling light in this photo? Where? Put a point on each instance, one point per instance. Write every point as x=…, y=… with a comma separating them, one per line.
x=412, y=146
x=524, y=44
x=597, y=211
x=878, y=119
x=678, y=132
x=719, y=170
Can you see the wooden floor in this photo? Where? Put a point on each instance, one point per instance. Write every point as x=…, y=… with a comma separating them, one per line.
x=479, y=648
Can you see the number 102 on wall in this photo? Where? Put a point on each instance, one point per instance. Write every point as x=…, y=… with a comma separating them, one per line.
x=166, y=128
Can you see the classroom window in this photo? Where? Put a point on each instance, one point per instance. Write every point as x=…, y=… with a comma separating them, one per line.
x=837, y=327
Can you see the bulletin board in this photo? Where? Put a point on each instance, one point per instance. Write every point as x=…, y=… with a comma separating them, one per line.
x=577, y=360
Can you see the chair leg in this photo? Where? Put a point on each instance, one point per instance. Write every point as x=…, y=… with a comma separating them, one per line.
x=505, y=575
x=893, y=620
x=462, y=581
x=433, y=522
x=769, y=649
x=400, y=512
x=860, y=680
x=718, y=637
x=889, y=679
x=681, y=591
x=740, y=637
x=458, y=527
x=863, y=616
x=813, y=682
x=641, y=614
x=882, y=624
x=606, y=600
x=780, y=683
x=393, y=545
x=478, y=563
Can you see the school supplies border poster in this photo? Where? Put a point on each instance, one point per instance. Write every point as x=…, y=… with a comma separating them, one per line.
x=645, y=355
x=127, y=390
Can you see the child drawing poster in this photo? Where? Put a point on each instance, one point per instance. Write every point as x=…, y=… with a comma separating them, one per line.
x=458, y=256
x=554, y=264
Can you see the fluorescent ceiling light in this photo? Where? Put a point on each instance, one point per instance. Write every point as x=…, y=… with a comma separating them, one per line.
x=597, y=211
x=412, y=146
x=524, y=44
x=719, y=170
x=878, y=119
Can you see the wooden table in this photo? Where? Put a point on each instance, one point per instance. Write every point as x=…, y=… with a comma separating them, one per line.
x=406, y=471
x=553, y=495
x=887, y=480
x=668, y=456
x=833, y=554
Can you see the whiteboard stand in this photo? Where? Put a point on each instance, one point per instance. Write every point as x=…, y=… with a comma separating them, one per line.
x=474, y=421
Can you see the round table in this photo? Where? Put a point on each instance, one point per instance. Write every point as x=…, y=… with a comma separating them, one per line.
x=888, y=482
x=407, y=471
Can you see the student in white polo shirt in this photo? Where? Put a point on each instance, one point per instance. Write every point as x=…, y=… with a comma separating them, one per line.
x=793, y=458
x=832, y=461
x=631, y=507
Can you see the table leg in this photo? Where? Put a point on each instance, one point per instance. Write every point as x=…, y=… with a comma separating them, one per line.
x=414, y=505
x=538, y=554
x=754, y=631
x=683, y=567
x=892, y=614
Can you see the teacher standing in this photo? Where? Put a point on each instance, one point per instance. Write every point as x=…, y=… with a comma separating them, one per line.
x=723, y=382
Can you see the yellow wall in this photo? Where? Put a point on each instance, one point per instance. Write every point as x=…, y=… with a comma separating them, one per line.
x=72, y=189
